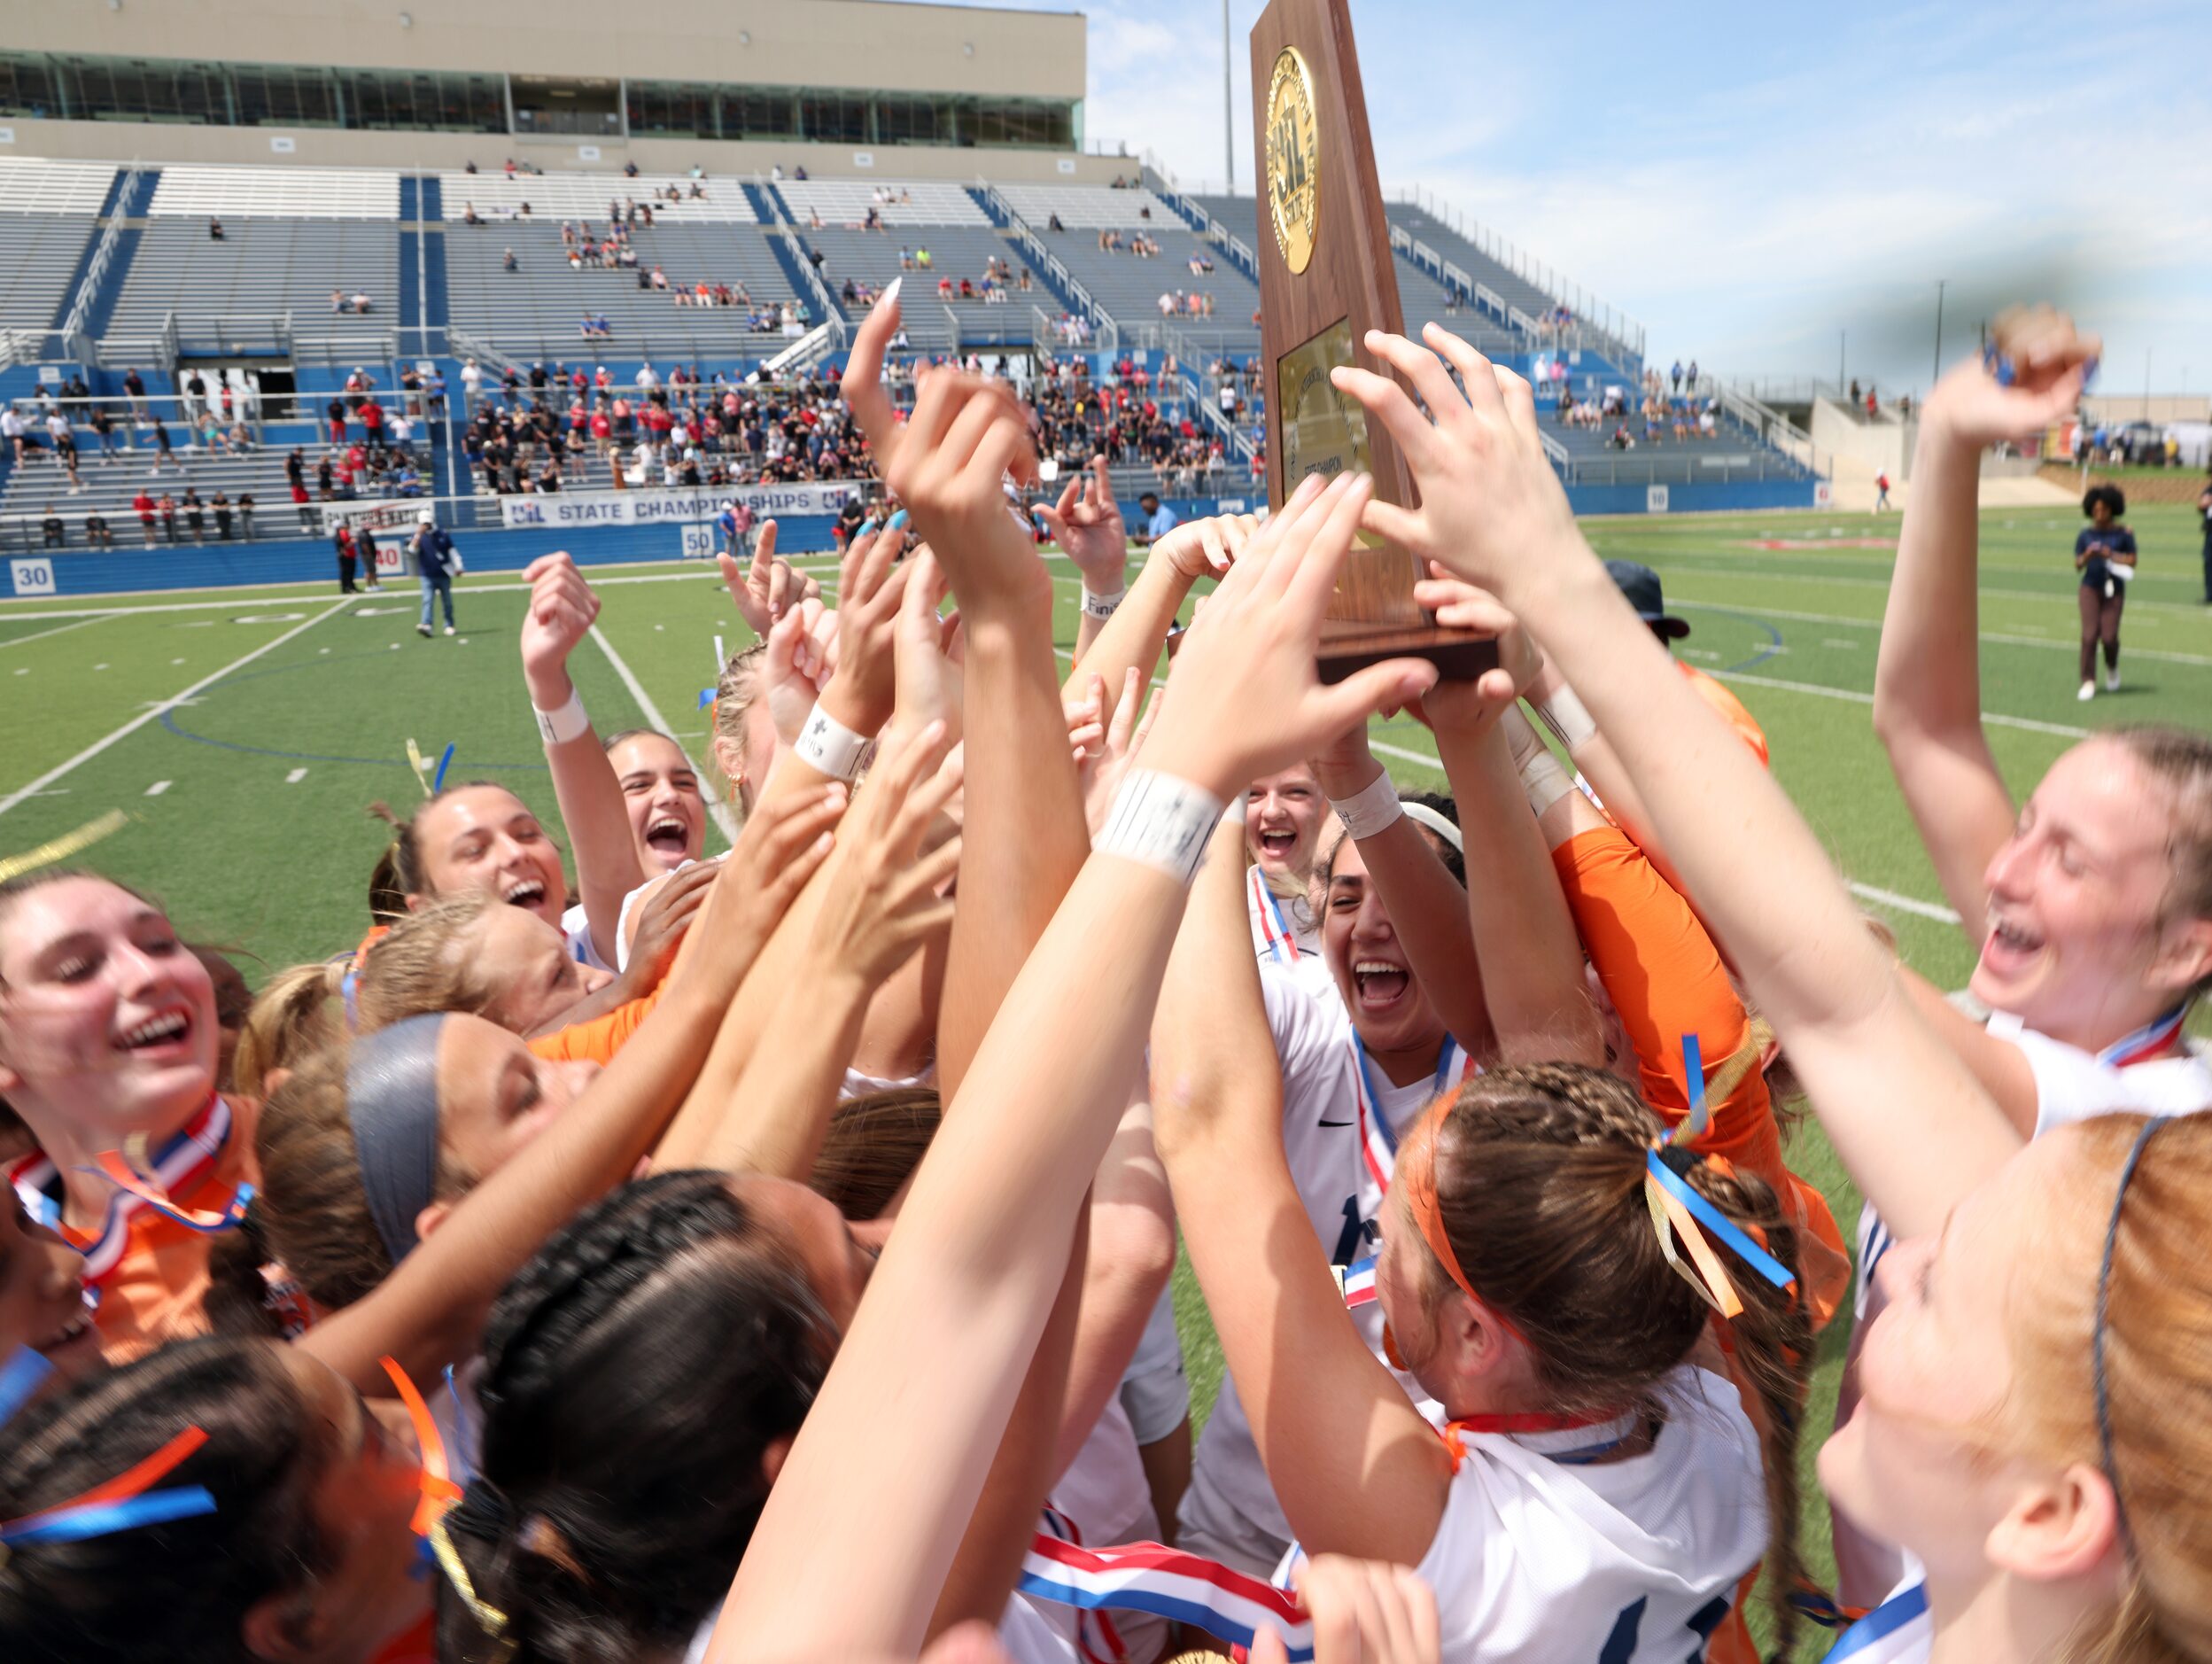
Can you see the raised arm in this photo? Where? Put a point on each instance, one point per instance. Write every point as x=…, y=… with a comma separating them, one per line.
x=560, y=613
x=1132, y=638
x=1522, y=931
x=429, y=1313
x=1927, y=680
x=1428, y=908
x=959, y=1298
x=1915, y=1128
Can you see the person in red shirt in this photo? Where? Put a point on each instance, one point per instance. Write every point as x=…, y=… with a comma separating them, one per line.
x=298, y=502
x=372, y=419
x=142, y=506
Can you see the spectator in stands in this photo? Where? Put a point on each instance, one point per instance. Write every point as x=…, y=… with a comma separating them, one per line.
x=55, y=535
x=468, y=215
x=18, y=434
x=142, y=505
x=163, y=453
x=1873, y=405
x=96, y=532
x=220, y=504
x=215, y=229
x=1691, y=374
x=134, y=391
x=335, y=413
x=361, y=303
x=338, y=301
x=195, y=514
x=507, y=263
x=167, y=506
x=246, y=515
x=300, y=505
x=371, y=415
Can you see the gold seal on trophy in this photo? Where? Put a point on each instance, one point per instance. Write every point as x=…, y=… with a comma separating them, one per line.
x=1293, y=159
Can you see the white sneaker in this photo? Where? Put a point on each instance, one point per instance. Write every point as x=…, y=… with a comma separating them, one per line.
x=425, y=629
x=2088, y=692
x=449, y=629
x=2112, y=682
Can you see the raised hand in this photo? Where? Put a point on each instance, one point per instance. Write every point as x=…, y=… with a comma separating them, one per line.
x=781, y=843
x=1204, y=547
x=1086, y=523
x=1246, y=698
x=1489, y=498
x=870, y=584
x=2045, y=359
x=966, y=435
x=863, y=388
x=1472, y=706
x=885, y=899
x=926, y=671
x=793, y=671
x=662, y=918
x=768, y=587
x=561, y=611
x=1100, y=770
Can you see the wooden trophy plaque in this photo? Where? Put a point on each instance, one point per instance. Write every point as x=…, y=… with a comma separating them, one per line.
x=1325, y=279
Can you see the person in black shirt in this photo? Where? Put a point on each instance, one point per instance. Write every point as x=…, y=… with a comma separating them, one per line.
x=336, y=411
x=220, y=504
x=2104, y=553
x=56, y=533
x=96, y=532
x=246, y=515
x=195, y=515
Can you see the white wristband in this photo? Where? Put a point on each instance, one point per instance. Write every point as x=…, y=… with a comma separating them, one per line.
x=1372, y=810
x=569, y=722
x=1564, y=715
x=828, y=745
x=1543, y=781
x=1101, y=607
x=1161, y=821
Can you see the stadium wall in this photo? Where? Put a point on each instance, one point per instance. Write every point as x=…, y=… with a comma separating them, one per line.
x=129, y=569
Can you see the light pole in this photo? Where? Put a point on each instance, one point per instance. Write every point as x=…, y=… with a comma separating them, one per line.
x=1941, y=283
x=1228, y=118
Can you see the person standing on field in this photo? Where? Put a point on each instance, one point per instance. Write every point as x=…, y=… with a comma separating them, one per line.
x=436, y=560
x=2104, y=554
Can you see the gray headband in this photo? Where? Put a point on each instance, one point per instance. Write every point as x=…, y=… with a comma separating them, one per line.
x=391, y=1099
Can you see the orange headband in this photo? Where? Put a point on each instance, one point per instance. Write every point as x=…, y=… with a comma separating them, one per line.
x=1417, y=1172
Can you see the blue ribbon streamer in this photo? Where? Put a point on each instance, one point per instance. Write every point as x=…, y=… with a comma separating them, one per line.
x=437, y=782
x=97, y=1520
x=23, y=1374
x=1719, y=1223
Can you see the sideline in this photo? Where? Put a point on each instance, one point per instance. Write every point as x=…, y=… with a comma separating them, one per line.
x=160, y=708
x=60, y=629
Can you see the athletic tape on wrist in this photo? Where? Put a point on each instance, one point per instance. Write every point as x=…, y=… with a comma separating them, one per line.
x=1162, y=821
x=1544, y=782
x=1564, y=715
x=569, y=722
x=1370, y=810
x=1102, y=607
x=828, y=745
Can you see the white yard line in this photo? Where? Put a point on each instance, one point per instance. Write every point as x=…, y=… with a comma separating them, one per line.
x=1913, y=905
x=139, y=721
x=60, y=629
x=157, y=788
x=2009, y=640
x=722, y=818
x=2026, y=724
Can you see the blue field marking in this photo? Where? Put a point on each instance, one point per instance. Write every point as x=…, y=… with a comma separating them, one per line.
x=169, y=721
x=1774, y=636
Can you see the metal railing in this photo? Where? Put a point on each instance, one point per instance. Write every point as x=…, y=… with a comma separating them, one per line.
x=808, y=351
x=1612, y=327
x=76, y=341
x=1106, y=334
x=827, y=310
x=1636, y=468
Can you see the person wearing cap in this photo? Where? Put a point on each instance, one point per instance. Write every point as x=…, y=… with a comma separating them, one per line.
x=1641, y=587
x=436, y=560
x=1155, y=521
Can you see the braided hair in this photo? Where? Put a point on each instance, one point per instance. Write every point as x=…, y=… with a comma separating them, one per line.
x=636, y=1373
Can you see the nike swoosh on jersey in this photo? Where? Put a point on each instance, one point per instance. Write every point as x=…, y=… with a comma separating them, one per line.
x=1333, y=1124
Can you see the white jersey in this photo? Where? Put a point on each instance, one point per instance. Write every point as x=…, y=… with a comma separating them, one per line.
x=2073, y=1084
x=1629, y=1562
x=1030, y=1638
x=1106, y=1496
x=1229, y=1511
x=1286, y=934
x=576, y=930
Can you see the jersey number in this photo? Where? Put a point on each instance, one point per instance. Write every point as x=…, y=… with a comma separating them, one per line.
x=1621, y=1646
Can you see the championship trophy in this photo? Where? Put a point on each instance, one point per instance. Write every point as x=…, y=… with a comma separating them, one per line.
x=1325, y=280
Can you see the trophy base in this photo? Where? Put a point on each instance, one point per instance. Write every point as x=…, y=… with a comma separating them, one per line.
x=1457, y=655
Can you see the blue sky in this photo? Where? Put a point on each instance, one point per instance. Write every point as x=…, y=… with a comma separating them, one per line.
x=1748, y=181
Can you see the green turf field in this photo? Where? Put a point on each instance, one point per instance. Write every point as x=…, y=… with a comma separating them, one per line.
x=245, y=731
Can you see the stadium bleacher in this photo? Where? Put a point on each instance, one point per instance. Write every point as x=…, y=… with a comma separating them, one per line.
x=934, y=323
x=845, y=203
x=553, y=197
x=535, y=311
x=48, y=211
x=290, y=236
